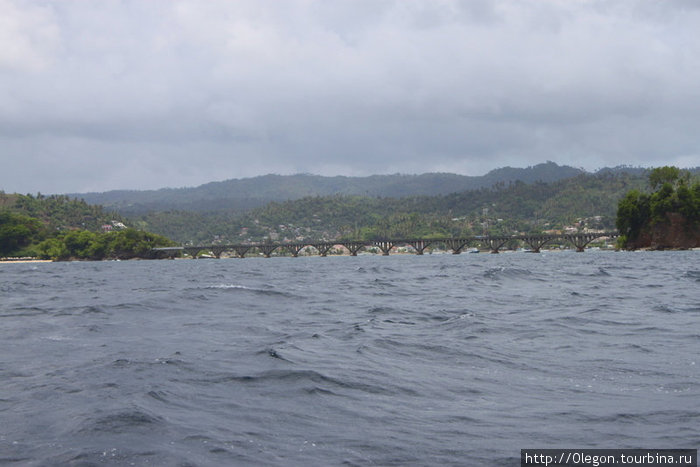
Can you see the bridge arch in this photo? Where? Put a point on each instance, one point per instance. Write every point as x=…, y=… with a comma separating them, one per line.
x=241, y=250
x=294, y=248
x=536, y=242
x=580, y=241
x=353, y=247
x=267, y=249
x=193, y=251
x=419, y=245
x=457, y=244
x=495, y=243
x=384, y=245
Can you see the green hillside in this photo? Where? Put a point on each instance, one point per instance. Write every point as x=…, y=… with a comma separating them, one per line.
x=60, y=228
x=582, y=201
x=588, y=200
x=240, y=195
x=58, y=212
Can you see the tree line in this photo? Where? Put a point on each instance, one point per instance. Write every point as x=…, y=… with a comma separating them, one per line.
x=59, y=228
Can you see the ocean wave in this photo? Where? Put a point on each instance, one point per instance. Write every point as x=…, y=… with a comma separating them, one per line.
x=24, y=311
x=511, y=273
x=692, y=275
x=271, y=352
x=601, y=272
x=301, y=379
x=254, y=290
x=122, y=421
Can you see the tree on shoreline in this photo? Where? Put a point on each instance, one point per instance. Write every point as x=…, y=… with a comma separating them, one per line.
x=59, y=228
x=639, y=212
x=84, y=245
x=22, y=236
x=17, y=232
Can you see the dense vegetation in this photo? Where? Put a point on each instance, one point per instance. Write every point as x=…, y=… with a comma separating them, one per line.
x=59, y=212
x=60, y=228
x=241, y=195
x=18, y=233
x=82, y=244
x=638, y=212
x=587, y=200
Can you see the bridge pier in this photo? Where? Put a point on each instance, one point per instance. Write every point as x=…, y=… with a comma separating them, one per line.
x=353, y=247
x=384, y=245
x=267, y=249
x=294, y=249
x=580, y=241
x=323, y=248
x=537, y=242
x=192, y=251
x=241, y=250
x=495, y=243
x=456, y=244
x=217, y=251
x=419, y=245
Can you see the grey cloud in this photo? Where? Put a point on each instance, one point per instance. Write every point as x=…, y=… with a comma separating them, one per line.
x=129, y=94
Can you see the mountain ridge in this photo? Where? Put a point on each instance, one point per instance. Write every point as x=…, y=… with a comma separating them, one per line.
x=247, y=193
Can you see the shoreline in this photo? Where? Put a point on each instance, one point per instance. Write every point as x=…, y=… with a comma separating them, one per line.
x=24, y=260
x=29, y=260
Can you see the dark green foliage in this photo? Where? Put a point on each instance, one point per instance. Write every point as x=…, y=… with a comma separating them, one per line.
x=79, y=243
x=637, y=212
x=52, y=248
x=124, y=244
x=633, y=213
x=57, y=227
x=58, y=212
x=662, y=175
x=132, y=243
x=17, y=232
x=662, y=201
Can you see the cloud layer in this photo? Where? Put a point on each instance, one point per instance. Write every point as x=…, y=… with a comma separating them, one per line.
x=133, y=94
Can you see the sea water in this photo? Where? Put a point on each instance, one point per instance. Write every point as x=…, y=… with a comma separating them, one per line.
x=369, y=360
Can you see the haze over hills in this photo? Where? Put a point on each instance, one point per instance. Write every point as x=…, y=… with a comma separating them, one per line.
x=247, y=193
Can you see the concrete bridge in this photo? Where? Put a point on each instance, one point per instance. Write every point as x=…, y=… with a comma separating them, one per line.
x=492, y=243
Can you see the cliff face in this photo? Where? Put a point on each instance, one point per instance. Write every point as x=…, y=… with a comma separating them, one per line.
x=675, y=233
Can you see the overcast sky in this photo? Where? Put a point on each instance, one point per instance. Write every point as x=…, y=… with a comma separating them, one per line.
x=99, y=95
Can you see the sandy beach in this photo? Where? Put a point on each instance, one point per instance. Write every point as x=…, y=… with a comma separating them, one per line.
x=3, y=261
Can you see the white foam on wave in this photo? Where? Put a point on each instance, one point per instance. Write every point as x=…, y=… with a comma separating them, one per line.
x=229, y=286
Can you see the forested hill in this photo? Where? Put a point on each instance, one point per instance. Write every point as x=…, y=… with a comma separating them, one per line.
x=59, y=228
x=582, y=201
x=247, y=193
x=586, y=200
x=58, y=212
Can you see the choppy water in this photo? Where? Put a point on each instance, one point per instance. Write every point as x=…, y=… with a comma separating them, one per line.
x=400, y=360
